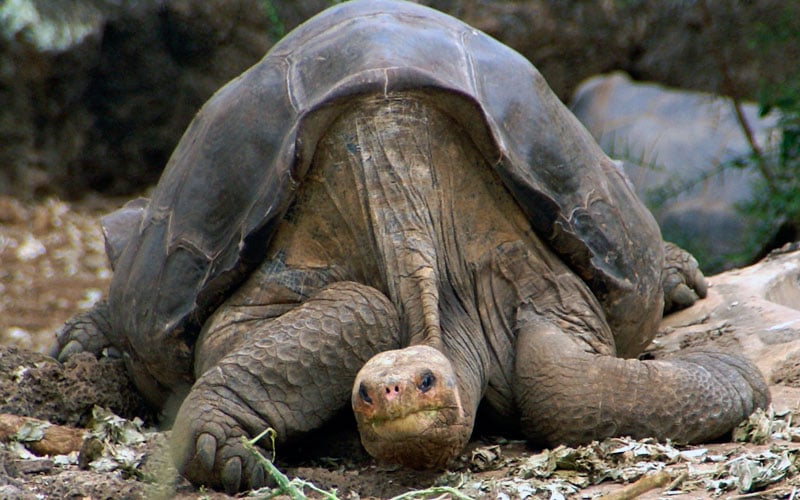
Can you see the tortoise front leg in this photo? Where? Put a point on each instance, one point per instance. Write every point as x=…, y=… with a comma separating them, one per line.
x=87, y=331
x=569, y=394
x=291, y=373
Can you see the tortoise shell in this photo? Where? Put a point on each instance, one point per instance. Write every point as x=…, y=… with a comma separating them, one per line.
x=238, y=167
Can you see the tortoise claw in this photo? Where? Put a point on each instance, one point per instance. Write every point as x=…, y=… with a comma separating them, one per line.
x=256, y=475
x=206, y=451
x=72, y=347
x=207, y=443
x=682, y=281
x=232, y=475
x=683, y=297
x=84, y=332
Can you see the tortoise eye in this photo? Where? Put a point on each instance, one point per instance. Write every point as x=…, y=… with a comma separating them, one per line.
x=428, y=380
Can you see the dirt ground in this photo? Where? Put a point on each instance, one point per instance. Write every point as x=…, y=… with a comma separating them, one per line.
x=52, y=265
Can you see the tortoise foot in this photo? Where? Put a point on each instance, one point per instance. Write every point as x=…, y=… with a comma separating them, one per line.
x=238, y=467
x=733, y=371
x=681, y=279
x=692, y=397
x=207, y=438
x=85, y=332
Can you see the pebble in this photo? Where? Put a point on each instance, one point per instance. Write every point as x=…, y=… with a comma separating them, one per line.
x=30, y=249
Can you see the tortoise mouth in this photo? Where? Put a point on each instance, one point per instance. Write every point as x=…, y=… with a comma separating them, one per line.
x=409, y=424
x=423, y=439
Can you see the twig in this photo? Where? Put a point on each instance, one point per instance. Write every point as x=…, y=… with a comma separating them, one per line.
x=49, y=439
x=780, y=490
x=269, y=431
x=284, y=485
x=639, y=487
x=683, y=476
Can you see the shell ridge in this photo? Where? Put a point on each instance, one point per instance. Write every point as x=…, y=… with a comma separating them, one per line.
x=289, y=82
x=472, y=78
x=475, y=89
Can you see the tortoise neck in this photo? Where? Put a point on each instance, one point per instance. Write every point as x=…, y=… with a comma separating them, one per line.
x=408, y=161
x=470, y=358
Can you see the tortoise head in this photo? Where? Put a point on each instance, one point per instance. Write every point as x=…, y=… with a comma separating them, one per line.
x=408, y=408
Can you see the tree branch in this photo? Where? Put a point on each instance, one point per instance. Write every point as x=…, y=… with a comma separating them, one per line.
x=47, y=438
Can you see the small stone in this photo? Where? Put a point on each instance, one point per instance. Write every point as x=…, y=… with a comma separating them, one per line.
x=30, y=249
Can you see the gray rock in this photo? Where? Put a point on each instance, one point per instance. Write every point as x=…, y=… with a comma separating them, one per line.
x=754, y=310
x=678, y=149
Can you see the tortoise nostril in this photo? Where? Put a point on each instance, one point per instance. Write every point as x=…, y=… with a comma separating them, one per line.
x=364, y=395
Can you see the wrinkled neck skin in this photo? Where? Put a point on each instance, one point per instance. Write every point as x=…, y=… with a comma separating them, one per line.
x=444, y=339
x=468, y=353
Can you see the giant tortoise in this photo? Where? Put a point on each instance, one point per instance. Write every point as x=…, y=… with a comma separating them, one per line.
x=394, y=209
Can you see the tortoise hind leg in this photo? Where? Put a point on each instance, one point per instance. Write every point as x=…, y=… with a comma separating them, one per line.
x=291, y=373
x=568, y=394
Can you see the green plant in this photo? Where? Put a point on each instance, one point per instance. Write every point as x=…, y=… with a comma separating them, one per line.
x=294, y=488
x=773, y=210
x=277, y=28
x=775, y=201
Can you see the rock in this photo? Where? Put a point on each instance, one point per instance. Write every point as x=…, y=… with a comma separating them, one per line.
x=678, y=149
x=754, y=310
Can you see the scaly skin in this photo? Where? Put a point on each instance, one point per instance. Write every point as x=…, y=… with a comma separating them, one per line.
x=83, y=332
x=292, y=374
x=394, y=149
x=571, y=396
